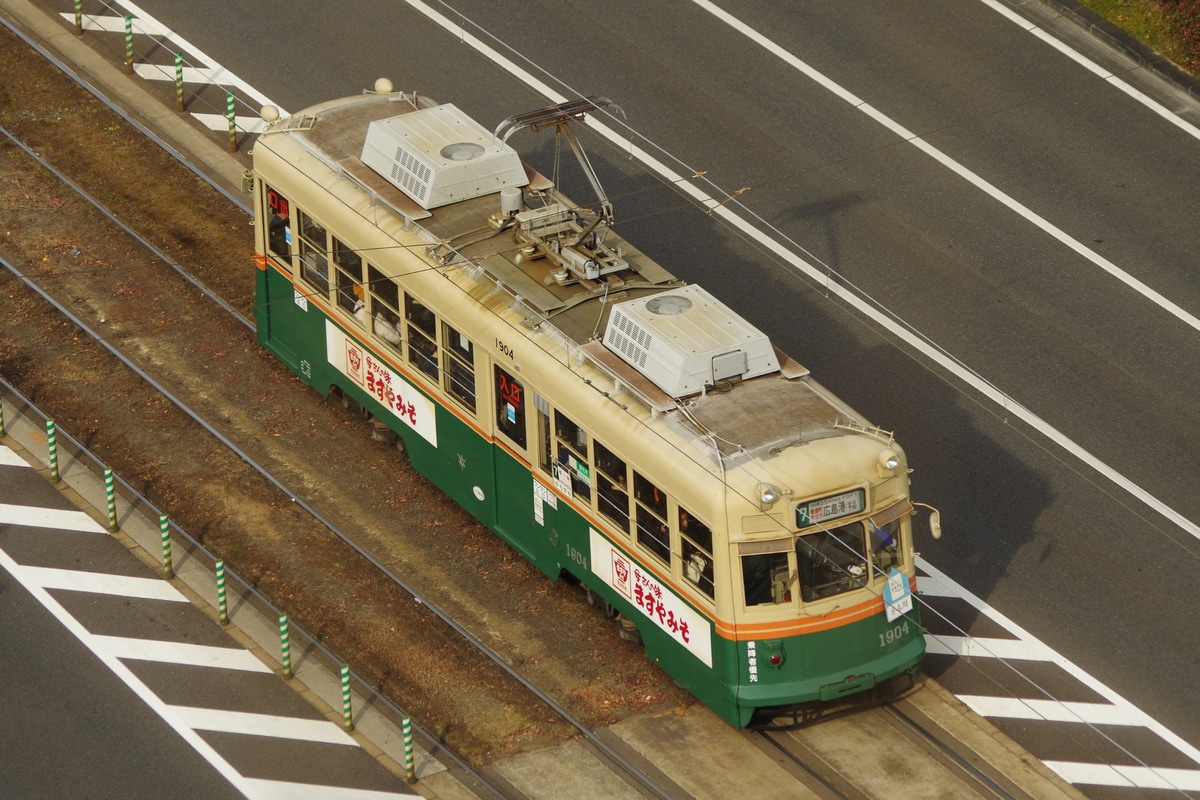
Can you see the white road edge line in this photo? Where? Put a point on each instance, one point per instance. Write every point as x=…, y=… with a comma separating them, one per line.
x=1092, y=66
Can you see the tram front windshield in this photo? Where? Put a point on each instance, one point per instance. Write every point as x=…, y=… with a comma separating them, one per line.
x=835, y=560
x=829, y=562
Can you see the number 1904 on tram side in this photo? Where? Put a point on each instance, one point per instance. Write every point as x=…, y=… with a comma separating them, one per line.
x=616, y=426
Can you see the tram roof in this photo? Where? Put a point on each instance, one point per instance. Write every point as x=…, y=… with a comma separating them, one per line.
x=752, y=417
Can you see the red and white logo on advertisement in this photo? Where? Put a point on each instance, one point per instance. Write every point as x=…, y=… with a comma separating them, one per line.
x=354, y=362
x=620, y=571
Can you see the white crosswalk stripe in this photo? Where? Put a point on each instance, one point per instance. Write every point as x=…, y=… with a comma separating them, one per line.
x=199, y=655
x=215, y=719
x=103, y=583
x=35, y=517
x=1023, y=648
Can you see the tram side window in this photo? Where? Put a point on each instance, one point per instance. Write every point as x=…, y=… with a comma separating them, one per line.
x=279, y=227
x=459, y=366
x=510, y=407
x=422, y=336
x=349, y=268
x=652, y=530
x=571, y=453
x=385, y=306
x=612, y=487
x=695, y=543
x=314, y=253
x=832, y=561
x=885, y=545
x=765, y=579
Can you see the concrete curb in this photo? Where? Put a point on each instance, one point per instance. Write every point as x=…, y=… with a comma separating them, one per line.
x=1108, y=33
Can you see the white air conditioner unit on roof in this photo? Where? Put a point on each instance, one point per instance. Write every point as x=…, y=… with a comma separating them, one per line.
x=439, y=156
x=685, y=339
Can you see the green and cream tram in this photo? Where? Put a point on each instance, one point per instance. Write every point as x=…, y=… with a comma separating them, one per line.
x=607, y=420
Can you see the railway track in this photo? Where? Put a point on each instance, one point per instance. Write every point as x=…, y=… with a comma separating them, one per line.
x=875, y=759
x=216, y=433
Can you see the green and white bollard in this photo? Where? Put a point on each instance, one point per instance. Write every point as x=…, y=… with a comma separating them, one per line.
x=110, y=495
x=129, y=44
x=285, y=646
x=79, y=17
x=179, y=81
x=222, y=607
x=347, y=717
x=230, y=114
x=52, y=450
x=410, y=770
x=164, y=528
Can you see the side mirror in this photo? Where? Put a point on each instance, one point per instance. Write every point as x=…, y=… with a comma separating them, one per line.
x=935, y=520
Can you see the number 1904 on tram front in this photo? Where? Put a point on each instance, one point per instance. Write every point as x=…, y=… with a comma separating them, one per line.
x=617, y=426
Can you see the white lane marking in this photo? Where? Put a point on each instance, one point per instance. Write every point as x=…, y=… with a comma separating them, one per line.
x=946, y=161
x=1126, y=708
x=1051, y=710
x=103, y=583
x=10, y=459
x=281, y=790
x=206, y=751
x=1179, y=780
x=308, y=730
x=818, y=276
x=199, y=655
x=37, y=517
x=1092, y=66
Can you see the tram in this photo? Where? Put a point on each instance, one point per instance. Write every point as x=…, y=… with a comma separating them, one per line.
x=618, y=427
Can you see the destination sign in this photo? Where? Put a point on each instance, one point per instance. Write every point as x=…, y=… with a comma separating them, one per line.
x=827, y=508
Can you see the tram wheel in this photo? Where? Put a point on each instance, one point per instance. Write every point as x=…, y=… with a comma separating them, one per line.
x=352, y=405
x=628, y=630
x=380, y=432
x=596, y=601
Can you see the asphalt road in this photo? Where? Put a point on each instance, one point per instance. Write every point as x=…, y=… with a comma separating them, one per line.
x=74, y=728
x=1002, y=199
